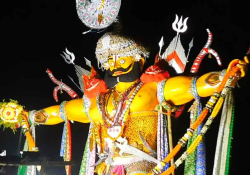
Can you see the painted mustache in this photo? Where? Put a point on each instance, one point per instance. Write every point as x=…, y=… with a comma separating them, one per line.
x=120, y=69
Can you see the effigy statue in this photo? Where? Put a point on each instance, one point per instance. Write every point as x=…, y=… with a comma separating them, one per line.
x=129, y=110
x=127, y=131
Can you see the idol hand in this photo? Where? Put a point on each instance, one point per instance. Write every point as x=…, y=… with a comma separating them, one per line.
x=241, y=64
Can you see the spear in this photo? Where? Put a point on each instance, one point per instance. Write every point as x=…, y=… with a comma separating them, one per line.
x=75, y=83
x=170, y=138
x=191, y=44
x=161, y=43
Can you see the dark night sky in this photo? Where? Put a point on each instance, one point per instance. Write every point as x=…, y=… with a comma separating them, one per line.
x=33, y=34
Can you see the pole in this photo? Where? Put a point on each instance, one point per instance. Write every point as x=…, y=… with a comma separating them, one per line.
x=170, y=139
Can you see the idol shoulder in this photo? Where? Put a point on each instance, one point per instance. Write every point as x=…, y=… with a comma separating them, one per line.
x=150, y=87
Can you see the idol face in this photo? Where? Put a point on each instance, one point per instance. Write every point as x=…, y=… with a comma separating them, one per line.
x=124, y=68
x=120, y=65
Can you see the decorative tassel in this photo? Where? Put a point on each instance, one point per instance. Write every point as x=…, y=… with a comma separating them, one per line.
x=88, y=159
x=28, y=170
x=68, y=153
x=162, y=138
x=65, y=151
x=190, y=163
x=84, y=159
x=223, y=147
x=230, y=143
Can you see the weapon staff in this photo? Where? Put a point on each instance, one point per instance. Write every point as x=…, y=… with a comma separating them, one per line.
x=206, y=50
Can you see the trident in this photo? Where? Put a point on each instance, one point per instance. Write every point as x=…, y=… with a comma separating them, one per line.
x=179, y=26
x=69, y=57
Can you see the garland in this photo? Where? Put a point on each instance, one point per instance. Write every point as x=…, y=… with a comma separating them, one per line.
x=223, y=88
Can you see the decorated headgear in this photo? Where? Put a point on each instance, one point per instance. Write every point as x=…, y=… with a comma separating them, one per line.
x=112, y=44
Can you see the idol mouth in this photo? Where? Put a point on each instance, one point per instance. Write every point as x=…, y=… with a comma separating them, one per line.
x=117, y=73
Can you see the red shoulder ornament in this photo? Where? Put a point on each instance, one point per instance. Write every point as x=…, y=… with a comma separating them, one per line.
x=154, y=73
x=93, y=84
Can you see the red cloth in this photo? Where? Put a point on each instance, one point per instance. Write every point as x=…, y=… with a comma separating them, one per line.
x=93, y=86
x=154, y=74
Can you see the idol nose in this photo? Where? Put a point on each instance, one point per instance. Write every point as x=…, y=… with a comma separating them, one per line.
x=116, y=66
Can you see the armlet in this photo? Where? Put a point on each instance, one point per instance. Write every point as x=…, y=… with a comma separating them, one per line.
x=41, y=116
x=213, y=79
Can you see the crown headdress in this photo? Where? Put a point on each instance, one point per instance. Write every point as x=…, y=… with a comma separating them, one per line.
x=112, y=44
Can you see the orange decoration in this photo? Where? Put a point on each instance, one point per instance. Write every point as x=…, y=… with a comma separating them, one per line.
x=100, y=18
x=169, y=170
x=173, y=153
x=31, y=142
x=200, y=119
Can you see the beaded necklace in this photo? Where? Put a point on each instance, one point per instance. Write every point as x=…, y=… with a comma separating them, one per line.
x=120, y=109
x=115, y=124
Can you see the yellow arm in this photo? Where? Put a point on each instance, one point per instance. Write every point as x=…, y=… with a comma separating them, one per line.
x=74, y=110
x=176, y=90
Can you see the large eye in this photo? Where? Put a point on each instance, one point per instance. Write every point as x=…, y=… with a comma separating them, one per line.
x=122, y=61
x=112, y=64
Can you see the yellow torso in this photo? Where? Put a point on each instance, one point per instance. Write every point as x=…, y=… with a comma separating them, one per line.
x=144, y=100
x=141, y=117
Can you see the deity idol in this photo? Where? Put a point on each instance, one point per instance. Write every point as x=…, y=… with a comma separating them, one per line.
x=127, y=128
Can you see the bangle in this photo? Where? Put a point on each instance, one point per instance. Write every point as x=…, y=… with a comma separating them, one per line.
x=62, y=112
x=31, y=117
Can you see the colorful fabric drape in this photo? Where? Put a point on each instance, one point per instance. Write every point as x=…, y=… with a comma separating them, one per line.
x=190, y=163
x=89, y=156
x=162, y=138
x=84, y=159
x=22, y=170
x=224, y=139
x=195, y=164
x=28, y=170
x=65, y=151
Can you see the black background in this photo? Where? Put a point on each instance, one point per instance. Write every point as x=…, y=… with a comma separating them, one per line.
x=33, y=34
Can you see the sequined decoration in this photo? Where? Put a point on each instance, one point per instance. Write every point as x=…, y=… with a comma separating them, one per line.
x=86, y=105
x=91, y=158
x=143, y=124
x=190, y=163
x=88, y=159
x=111, y=44
x=223, y=146
x=63, y=142
x=23, y=169
x=195, y=162
x=230, y=142
x=84, y=158
x=162, y=139
x=65, y=151
x=143, y=167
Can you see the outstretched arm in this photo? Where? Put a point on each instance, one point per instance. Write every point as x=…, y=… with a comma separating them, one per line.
x=51, y=115
x=176, y=90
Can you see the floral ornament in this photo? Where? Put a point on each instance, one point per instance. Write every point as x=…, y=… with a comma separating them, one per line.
x=11, y=114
